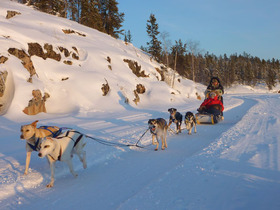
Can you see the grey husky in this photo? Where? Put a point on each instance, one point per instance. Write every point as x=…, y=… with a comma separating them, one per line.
x=158, y=129
x=190, y=122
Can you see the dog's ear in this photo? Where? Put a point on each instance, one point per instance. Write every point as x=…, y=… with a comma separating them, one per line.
x=150, y=120
x=34, y=124
x=169, y=110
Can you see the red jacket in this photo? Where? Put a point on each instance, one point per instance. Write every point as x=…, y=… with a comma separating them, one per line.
x=211, y=101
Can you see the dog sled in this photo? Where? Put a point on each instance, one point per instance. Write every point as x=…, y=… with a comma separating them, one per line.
x=211, y=109
x=207, y=118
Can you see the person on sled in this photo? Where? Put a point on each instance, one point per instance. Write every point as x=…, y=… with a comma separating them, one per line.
x=215, y=85
x=212, y=105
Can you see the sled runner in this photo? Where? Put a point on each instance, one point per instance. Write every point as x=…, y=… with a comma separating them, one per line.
x=205, y=118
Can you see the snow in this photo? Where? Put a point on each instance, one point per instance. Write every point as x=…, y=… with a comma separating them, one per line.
x=231, y=165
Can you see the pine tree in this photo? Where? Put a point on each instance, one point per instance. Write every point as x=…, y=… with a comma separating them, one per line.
x=74, y=10
x=127, y=37
x=145, y=49
x=111, y=18
x=249, y=75
x=270, y=78
x=154, y=47
x=54, y=7
x=90, y=15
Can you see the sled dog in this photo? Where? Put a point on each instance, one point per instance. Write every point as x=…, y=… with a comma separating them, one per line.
x=158, y=129
x=190, y=122
x=62, y=148
x=175, y=117
x=33, y=137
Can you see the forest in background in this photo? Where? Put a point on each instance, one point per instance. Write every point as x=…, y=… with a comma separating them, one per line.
x=184, y=58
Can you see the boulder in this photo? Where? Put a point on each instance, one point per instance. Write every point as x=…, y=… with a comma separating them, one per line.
x=37, y=103
x=7, y=89
x=11, y=14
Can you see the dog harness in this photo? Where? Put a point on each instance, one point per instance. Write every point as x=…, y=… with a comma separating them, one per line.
x=36, y=146
x=75, y=142
x=58, y=157
x=151, y=129
x=54, y=134
x=188, y=120
x=173, y=119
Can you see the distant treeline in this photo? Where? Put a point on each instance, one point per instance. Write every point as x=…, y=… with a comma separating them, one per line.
x=104, y=16
x=242, y=69
x=188, y=62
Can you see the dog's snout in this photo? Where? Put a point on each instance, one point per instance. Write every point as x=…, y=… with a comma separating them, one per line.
x=40, y=154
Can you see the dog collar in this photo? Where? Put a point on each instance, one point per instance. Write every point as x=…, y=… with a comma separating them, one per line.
x=58, y=157
x=152, y=131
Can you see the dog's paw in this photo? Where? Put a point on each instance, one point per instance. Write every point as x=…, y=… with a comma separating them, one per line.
x=85, y=165
x=156, y=149
x=49, y=185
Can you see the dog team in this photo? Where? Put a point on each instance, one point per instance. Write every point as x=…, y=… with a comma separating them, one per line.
x=51, y=142
x=158, y=127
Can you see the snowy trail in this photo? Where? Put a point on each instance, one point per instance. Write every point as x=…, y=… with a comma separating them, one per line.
x=220, y=163
x=131, y=172
x=220, y=177
x=232, y=165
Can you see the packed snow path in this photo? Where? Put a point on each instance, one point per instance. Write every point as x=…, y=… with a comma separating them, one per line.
x=231, y=165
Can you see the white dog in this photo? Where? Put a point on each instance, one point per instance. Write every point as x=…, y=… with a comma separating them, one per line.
x=62, y=148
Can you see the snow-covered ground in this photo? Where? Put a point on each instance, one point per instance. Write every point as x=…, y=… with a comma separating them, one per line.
x=231, y=165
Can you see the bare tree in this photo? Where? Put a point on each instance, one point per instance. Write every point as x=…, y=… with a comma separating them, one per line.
x=166, y=45
x=192, y=46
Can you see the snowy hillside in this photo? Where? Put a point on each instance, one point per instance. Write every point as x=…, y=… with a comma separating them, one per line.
x=231, y=165
x=88, y=60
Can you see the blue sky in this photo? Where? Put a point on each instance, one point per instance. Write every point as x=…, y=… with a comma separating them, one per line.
x=219, y=26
